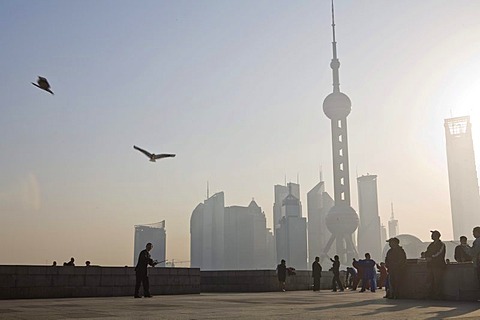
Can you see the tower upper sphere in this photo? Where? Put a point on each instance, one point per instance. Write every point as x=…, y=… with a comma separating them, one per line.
x=337, y=105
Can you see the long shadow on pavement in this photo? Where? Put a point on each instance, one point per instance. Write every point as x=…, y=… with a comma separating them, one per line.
x=455, y=309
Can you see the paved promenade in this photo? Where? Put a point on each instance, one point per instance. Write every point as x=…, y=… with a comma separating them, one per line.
x=271, y=305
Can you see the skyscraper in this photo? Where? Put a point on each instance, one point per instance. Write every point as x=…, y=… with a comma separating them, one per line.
x=342, y=220
x=245, y=239
x=462, y=176
x=383, y=236
x=291, y=235
x=319, y=203
x=154, y=233
x=207, y=234
x=280, y=193
x=392, y=225
x=369, y=233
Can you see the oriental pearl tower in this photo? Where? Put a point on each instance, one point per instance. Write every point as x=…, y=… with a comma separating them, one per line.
x=341, y=220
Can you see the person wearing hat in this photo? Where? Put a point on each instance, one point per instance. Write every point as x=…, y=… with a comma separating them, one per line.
x=395, y=261
x=435, y=256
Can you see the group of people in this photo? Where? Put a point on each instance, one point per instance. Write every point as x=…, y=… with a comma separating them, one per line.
x=71, y=263
x=392, y=270
x=362, y=270
x=435, y=257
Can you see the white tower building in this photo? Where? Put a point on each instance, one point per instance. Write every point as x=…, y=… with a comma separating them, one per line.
x=462, y=176
x=342, y=220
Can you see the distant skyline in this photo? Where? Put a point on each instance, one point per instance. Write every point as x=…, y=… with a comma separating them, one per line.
x=235, y=90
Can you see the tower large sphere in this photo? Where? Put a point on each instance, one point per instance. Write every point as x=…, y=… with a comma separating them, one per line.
x=341, y=219
x=337, y=105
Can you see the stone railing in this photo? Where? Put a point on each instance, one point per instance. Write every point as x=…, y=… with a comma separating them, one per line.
x=19, y=282
x=459, y=282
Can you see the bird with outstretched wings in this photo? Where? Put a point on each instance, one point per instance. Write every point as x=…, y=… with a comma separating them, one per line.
x=153, y=157
x=43, y=84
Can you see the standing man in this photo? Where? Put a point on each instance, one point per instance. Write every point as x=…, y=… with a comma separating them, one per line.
x=316, y=274
x=460, y=253
x=369, y=274
x=395, y=261
x=282, y=274
x=144, y=259
x=435, y=256
x=474, y=252
x=336, y=274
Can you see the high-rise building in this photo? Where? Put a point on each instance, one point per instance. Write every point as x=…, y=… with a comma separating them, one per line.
x=155, y=234
x=196, y=237
x=319, y=203
x=369, y=233
x=462, y=176
x=239, y=238
x=342, y=220
x=291, y=235
x=261, y=258
x=383, y=235
x=245, y=237
x=393, y=225
x=207, y=234
x=271, y=253
x=280, y=193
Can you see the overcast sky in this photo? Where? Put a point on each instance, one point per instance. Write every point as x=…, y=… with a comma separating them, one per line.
x=235, y=89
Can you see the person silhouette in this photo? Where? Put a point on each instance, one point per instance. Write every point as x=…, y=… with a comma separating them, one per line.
x=144, y=260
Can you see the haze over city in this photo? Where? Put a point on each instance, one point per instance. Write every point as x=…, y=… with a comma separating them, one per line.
x=235, y=90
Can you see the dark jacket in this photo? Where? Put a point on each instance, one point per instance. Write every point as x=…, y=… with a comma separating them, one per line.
x=461, y=255
x=396, y=259
x=281, y=272
x=144, y=259
x=335, y=267
x=368, y=268
x=316, y=269
x=435, y=254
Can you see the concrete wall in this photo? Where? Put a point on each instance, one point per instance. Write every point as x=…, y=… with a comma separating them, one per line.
x=18, y=282
x=459, y=282
x=258, y=281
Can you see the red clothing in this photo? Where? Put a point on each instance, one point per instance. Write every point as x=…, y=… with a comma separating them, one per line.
x=383, y=276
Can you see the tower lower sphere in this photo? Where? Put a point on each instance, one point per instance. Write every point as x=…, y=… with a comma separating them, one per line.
x=341, y=219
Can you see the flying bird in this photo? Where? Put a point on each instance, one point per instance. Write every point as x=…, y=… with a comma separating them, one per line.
x=153, y=157
x=43, y=84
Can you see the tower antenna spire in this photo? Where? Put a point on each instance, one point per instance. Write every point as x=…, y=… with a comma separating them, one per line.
x=333, y=33
x=335, y=64
x=392, y=217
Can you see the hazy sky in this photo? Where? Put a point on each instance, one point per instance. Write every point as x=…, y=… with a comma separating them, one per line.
x=235, y=89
